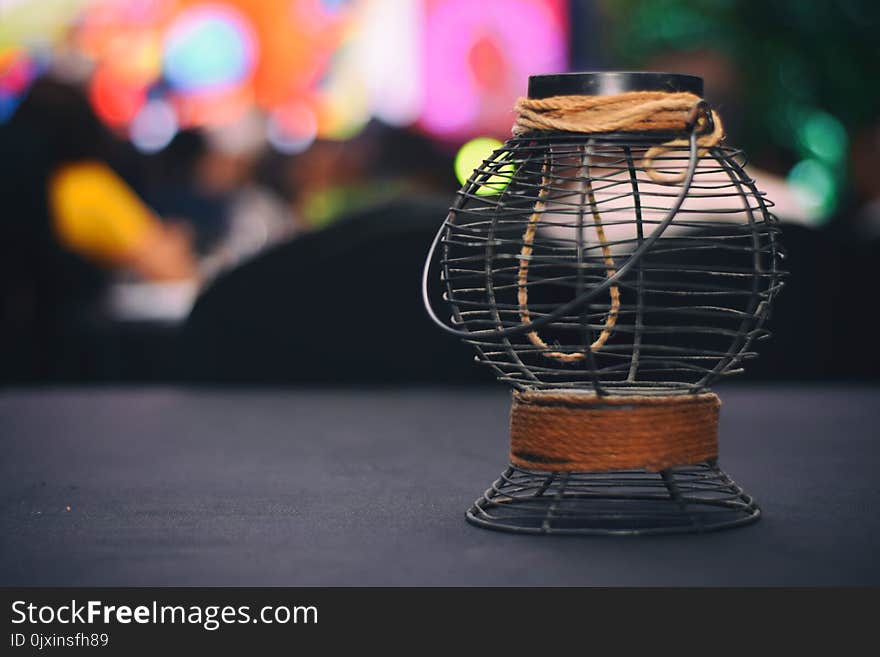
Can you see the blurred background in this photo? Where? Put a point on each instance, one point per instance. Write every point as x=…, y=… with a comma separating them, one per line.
x=244, y=191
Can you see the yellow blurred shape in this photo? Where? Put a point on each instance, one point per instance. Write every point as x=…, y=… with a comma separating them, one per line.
x=96, y=214
x=477, y=154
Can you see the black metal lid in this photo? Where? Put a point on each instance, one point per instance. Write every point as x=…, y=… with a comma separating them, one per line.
x=606, y=83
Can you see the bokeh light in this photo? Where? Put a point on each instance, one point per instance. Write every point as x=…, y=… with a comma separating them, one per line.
x=292, y=129
x=823, y=136
x=474, y=154
x=815, y=187
x=36, y=24
x=209, y=47
x=384, y=54
x=213, y=108
x=116, y=100
x=452, y=67
x=17, y=71
x=478, y=57
x=154, y=126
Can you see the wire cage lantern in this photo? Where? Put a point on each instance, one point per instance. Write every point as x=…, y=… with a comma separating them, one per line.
x=611, y=261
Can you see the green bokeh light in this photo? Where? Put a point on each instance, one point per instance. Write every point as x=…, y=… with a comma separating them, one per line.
x=815, y=187
x=472, y=155
x=823, y=137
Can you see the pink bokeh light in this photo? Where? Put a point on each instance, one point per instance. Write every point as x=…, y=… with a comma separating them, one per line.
x=478, y=57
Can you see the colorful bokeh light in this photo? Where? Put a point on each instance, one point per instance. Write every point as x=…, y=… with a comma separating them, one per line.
x=17, y=71
x=478, y=57
x=116, y=99
x=823, y=136
x=209, y=47
x=154, y=126
x=453, y=67
x=292, y=129
x=478, y=153
x=815, y=187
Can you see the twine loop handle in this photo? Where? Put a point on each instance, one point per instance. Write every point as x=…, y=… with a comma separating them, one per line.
x=704, y=130
x=639, y=110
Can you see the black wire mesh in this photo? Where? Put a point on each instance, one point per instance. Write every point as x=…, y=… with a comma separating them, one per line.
x=687, y=499
x=631, y=285
x=552, y=215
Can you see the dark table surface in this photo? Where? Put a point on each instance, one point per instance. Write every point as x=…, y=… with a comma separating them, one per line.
x=368, y=487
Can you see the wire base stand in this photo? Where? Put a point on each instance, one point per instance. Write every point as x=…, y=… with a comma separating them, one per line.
x=688, y=499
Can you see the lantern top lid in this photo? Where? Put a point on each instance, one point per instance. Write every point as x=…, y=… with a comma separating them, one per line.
x=605, y=83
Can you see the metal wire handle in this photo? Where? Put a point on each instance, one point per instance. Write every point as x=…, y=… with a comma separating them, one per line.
x=586, y=296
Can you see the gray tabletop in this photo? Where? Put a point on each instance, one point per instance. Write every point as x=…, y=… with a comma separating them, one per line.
x=114, y=487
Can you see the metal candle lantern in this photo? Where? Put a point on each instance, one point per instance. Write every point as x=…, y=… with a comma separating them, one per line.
x=611, y=261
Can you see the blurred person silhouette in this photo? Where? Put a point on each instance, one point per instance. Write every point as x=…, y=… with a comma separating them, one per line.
x=341, y=303
x=93, y=211
x=210, y=177
x=70, y=222
x=332, y=179
x=98, y=216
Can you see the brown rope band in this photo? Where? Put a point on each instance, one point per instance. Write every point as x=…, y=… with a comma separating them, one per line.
x=578, y=431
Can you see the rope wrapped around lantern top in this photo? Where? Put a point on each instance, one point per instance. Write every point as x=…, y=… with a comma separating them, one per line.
x=632, y=111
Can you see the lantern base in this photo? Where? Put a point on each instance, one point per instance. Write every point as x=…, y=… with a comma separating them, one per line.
x=687, y=499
